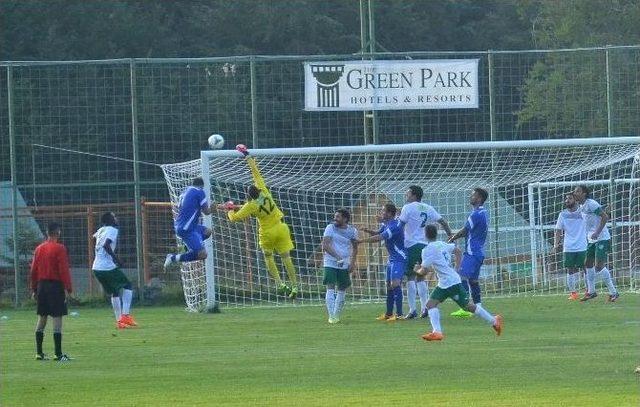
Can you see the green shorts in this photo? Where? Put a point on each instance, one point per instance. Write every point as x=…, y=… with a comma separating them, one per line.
x=414, y=257
x=574, y=260
x=337, y=277
x=599, y=250
x=112, y=281
x=455, y=292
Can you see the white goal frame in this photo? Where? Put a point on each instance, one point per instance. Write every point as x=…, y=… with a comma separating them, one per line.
x=208, y=155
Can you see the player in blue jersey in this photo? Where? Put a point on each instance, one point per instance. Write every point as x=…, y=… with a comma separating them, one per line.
x=475, y=230
x=393, y=235
x=192, y=203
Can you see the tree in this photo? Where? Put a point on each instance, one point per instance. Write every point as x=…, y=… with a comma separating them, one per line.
x=566, y=93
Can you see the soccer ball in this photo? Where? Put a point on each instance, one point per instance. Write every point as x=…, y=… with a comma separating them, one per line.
x=216, y=141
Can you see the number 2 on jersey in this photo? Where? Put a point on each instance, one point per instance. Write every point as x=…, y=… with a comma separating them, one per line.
x=425, y=218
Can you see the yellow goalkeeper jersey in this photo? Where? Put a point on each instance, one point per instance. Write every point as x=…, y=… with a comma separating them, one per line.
x=263, y=208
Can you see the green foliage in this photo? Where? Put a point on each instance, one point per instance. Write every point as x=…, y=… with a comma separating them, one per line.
x=36, y=29
x=577, y=82
x=291, y=356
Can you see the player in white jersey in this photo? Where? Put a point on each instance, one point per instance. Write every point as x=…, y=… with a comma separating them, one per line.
x=599, y=243
x=340, y=248
x=414, y=216
x=106, y=268
x=436, y=256
x=572, y=227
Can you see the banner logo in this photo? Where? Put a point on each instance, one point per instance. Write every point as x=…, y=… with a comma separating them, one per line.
x=328, y=85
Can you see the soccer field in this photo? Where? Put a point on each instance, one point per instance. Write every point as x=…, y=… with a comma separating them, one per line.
x=552, y=352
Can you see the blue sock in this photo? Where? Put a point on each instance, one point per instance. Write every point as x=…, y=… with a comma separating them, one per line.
x=188, y=256
x=398, y=297
x=389, y=301
x=475, y=292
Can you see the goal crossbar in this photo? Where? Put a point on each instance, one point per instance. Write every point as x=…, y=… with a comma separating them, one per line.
x=415, y=147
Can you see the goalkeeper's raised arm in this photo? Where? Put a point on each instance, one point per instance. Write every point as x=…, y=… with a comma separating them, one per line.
x=274, y=235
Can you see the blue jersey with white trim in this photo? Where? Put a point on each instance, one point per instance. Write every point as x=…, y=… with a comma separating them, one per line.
x=393, y=235
x=190, y=205
x=477, y=227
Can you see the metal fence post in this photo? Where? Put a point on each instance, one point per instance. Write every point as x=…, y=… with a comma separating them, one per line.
x=136, y=178
x=494, y=189
x=254, y=105
x=14, y=185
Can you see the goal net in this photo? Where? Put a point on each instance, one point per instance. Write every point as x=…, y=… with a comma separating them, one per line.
x=526, y=180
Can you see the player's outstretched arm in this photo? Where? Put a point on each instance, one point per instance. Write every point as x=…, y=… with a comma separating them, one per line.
x=228, y=206
x=375, y=238
x=445, y=226
x=461, y=233
x=248, y=209
x=253, y=167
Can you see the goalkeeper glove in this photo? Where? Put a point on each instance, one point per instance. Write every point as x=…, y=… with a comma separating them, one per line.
x=242, y=149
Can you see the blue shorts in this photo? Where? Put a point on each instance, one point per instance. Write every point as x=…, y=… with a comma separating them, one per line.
x=470, y=267
x=193, y=239
x=395, y=271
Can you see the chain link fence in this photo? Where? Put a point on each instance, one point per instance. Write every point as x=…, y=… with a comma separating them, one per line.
x=84, y=137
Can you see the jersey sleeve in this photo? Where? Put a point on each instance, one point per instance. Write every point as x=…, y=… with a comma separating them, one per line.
x=594, y=207
x=111, y=234
x=202, y=199
x=427, y=257
x=560, y=223
x=386, y=232
x=450, y=247
x=404, y=214
x=354, y=233
x=248, y=209
x=392, y=229
x=255, y=174
x=432, y=214
x=468, y=225
x=328, y=231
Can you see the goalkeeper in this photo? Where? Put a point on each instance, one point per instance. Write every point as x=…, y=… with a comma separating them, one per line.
x=274, y=235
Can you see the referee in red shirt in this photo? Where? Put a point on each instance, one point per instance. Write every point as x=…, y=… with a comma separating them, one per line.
x=50, y=279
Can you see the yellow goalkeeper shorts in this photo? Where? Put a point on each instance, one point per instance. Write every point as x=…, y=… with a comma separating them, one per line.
x=276, y=238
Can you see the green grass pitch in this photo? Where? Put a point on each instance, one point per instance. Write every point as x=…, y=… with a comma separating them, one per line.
x=552, y=353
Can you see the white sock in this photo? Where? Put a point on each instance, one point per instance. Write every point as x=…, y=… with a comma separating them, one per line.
x=606, y=277
x=127, y=295
x=339, y=303
x=115, y=303
x=423, y=293
x=484, y=314
x=571, y=282
x=330, y=297
x=591, y=280
x=411, y=295
x=434, y=318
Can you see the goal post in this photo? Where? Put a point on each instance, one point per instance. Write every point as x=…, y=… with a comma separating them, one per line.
x=615, y=194
x=526, y=180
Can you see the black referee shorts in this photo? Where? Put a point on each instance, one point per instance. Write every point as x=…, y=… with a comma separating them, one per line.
x=51, y=299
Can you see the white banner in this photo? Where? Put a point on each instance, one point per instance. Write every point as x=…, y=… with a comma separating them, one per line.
x=391, y=85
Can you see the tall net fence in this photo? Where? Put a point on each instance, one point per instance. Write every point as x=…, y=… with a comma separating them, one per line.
x=87, y=133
